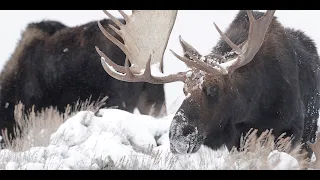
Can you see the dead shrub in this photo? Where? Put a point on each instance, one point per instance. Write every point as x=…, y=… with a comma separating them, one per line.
x=36, y=127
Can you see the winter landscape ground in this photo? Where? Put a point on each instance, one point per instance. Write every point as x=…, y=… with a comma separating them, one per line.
x=111, y=139
x=107, y=139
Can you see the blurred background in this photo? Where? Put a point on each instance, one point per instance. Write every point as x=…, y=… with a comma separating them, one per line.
x=195, y=26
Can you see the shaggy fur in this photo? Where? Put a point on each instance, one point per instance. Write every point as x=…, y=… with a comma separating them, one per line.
x=278, y=89
x=55, y=65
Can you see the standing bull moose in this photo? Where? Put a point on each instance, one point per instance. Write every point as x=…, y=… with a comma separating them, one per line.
x=56, y=65
x=260, y=75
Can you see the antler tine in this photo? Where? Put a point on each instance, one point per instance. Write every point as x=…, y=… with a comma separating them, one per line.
x=195, y=61
x=112, y=38
x=189, y=62
x=124, y=15
x=111, y=63
x=128, y=76
x=228, y=41
x=187, y=47
x=206, y=66
x=115, y=20
x=257, y=31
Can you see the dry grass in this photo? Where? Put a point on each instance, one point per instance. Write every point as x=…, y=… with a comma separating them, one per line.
x=162, y=113
x=253, y=154
x=36, y=127
x=254, y=151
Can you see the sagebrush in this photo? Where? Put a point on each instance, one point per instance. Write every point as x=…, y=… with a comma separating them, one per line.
x=36, y=127
x=253, y=154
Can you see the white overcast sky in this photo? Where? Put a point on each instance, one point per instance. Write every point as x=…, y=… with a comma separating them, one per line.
x=195, y=26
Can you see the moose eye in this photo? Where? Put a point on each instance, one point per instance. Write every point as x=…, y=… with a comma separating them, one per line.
x=211, y=90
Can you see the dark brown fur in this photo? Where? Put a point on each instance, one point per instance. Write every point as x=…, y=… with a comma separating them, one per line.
x=278, y=90
x=55, y=65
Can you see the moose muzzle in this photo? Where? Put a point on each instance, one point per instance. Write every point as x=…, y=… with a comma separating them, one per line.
x=184, y=137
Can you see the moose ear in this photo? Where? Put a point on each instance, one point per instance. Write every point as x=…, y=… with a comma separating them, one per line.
x=188, y=48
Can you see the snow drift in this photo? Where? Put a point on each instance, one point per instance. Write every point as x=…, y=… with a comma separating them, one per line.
x=115, y=139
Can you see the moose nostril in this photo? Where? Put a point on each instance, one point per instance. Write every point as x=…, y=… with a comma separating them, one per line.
x=188, y=130
x=184, y=138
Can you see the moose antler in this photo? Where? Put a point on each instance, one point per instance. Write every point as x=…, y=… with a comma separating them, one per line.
x=257, y=31
x=145, y=35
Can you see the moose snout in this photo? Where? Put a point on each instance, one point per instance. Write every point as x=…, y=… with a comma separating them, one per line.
x=184, y=138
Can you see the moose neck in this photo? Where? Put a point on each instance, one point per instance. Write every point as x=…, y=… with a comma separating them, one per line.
x=245, y=88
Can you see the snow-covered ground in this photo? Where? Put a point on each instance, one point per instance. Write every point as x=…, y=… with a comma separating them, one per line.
x=115, y=139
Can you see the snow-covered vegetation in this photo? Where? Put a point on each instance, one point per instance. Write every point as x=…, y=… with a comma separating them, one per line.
x=87, y=138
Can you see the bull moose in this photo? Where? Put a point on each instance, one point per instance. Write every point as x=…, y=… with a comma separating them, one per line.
x=56, y=65
x=259, y=75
